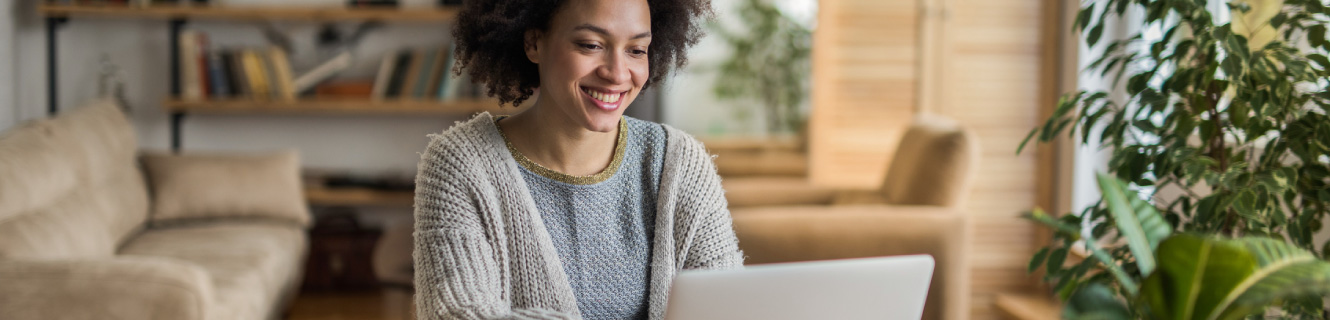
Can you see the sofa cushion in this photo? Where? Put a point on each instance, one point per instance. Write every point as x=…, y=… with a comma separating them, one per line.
x=253, y=266
x=70, y=186
x=207, y=187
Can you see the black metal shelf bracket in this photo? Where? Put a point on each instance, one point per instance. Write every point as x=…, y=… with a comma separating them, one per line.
x=53, y=25
x=176, y=26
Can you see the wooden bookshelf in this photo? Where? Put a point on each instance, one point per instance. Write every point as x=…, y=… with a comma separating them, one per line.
x=336, y=106
x=206, y=12
x=323, y=196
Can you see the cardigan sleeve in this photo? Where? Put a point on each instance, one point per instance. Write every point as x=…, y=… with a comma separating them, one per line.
x=703, y=213
x=458, y=274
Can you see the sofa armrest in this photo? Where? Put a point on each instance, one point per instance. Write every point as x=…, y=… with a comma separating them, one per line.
x=804, y=233
x=111, y=288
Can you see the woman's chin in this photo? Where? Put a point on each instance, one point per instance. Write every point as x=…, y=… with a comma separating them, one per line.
x=604, y=124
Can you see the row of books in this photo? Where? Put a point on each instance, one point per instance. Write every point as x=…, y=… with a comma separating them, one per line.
x=421, y=73
x=265, y=73
x=206, y=73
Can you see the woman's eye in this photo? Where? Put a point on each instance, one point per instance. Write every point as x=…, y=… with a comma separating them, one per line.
x=589, y=46
x=638, y=52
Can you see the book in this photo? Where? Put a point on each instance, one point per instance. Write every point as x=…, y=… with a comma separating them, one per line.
x=441, y=89
x=427, y=70
x=384, y=76
x=239, y=78
x=258, y=80
x=281, y=71
x=200, y=60
x=439, y=58
x=229, y=73
x=324, y=71
x=220, y=86
x=399, y=73
x=190, y=88
x=451, y=89
x=412, y=74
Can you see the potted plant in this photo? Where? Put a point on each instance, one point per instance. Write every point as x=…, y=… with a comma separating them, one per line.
x=769, y=63
x=1219, y=165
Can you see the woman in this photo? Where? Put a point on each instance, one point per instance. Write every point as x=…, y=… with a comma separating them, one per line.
x=568, y=209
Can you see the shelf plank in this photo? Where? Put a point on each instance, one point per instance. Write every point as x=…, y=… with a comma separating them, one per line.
x=322, y=196
x=337, y=106
x=441, y=14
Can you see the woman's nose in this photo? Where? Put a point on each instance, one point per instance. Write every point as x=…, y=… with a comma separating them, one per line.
x=614, y=70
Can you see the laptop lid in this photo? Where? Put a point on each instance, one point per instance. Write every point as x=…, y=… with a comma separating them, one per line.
x=866, y=288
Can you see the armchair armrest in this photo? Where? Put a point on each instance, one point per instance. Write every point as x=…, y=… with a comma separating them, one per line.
x=111, y=288
x=803, y=233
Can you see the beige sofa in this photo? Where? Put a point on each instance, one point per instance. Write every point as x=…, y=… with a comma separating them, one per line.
x=85, y=234
x=916, y=211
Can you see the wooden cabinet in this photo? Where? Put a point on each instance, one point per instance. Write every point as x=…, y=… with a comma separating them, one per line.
x=340, y=254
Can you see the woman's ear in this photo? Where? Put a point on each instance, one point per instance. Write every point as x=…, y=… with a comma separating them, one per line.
x=532, y=45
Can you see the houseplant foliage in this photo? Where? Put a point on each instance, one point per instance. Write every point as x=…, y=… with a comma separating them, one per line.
x=769, y=63
x=1188, y=276
x=1223, y=133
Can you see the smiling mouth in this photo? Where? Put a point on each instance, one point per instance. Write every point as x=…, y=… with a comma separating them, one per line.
x=604, y=100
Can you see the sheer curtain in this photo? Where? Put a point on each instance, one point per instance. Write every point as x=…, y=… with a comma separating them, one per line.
x=1090, y=158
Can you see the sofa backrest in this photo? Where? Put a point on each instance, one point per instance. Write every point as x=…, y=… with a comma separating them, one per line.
x=934, y=164
x=70, y=186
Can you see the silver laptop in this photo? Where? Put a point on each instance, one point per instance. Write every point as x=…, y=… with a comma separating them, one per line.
x=869, y=288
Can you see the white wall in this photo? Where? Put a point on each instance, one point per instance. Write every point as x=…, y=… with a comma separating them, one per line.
x=8, y=21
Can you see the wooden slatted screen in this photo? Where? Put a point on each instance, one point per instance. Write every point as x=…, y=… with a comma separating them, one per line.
x=996, y=74
x=864, y=83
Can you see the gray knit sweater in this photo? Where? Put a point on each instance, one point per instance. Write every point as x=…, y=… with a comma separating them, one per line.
x=483, y=251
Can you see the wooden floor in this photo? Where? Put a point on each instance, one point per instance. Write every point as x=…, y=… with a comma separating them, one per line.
x=367, y=305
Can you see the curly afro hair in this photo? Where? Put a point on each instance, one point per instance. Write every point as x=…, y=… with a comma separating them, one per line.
x=490, y=39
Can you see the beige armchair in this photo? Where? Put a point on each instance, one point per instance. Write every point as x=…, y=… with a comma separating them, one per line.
x=916, y=211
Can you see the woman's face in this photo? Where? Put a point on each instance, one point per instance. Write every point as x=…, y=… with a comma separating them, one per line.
x=593, y=60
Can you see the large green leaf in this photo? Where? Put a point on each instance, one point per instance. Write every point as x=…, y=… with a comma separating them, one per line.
x=1137, y=221
x=1195, y=274
x=1202, y=278
x=1284, y=272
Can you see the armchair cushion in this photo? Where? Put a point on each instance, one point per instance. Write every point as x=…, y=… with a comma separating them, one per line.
x=208, y=187
x=111, y=288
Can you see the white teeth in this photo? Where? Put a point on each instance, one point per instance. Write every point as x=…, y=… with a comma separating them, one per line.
x=603, y=97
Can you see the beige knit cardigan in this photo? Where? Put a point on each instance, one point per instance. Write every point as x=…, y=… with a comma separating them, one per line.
x=482, y=251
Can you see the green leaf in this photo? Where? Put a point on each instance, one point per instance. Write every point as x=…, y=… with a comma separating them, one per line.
x=1026, y=140
x=1062, y=227
x=1319, y=59
x=1092, y=37
x=1316, y=35
x=1142, y=226
x=1284, y=272
x=1083, y=18
x=1055, y=260
x=1038, y=259
x=1232, y=66
x=1095, y=301
x=1113, y=268
x=1197, y=274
